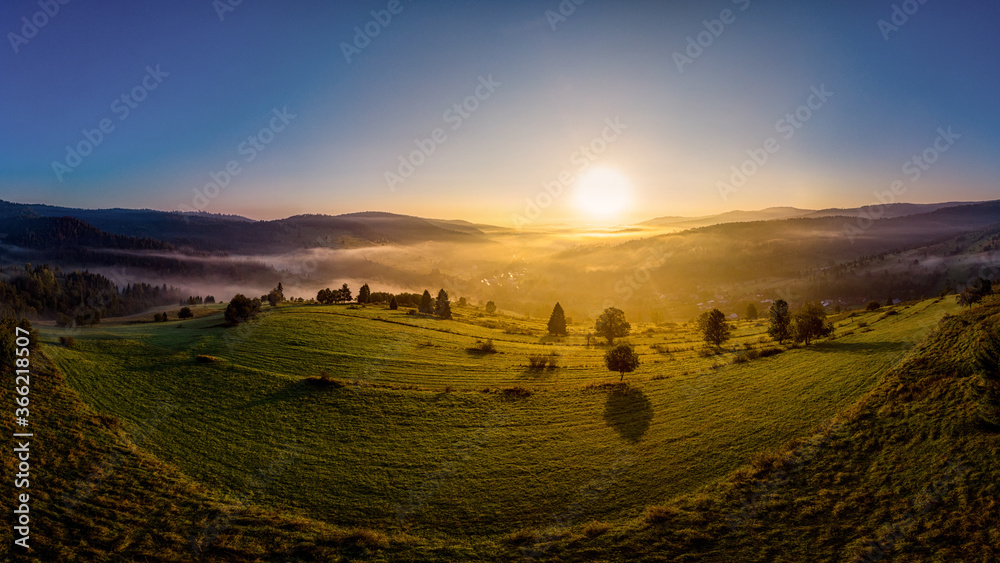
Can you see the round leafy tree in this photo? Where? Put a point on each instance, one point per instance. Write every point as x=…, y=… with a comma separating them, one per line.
x=612, y=324
x=622, y=358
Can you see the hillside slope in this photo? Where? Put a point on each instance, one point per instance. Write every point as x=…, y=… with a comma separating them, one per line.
x=908, y=474
x=905, y=474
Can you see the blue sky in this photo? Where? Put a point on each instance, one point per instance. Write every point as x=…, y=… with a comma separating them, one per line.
x=220, y=81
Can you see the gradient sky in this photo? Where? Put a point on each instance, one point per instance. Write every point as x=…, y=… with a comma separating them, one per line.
x=685, y=130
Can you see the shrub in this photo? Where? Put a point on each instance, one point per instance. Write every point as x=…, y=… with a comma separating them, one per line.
x=768, y=352
x=660, y=514
x=67, y=341
x=740, y=358
x=512, y=393
x=185, y=313
x=768, y=461
x=705, y=352
x=483, y=347
x=360, y=537
x=662, y=349
x=521, y=537
x=873, y=306
x=324, y=380
x=539, y=361
x=203, y=359
x=595, y=528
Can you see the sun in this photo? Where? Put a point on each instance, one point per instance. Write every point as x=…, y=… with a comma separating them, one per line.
x=603, y=194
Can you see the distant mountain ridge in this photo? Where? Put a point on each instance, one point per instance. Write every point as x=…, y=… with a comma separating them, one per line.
x=877, y=211
x=240, y=235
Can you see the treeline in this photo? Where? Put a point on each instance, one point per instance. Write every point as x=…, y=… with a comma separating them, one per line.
x=81, y=298
x=422, y=302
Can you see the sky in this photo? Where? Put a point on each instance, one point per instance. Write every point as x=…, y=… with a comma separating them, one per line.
x=505, y=112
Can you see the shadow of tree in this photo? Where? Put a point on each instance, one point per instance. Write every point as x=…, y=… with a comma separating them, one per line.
x=860, y=347
x=629, y=412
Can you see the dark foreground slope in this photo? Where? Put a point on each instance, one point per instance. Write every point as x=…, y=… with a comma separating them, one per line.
x=908, y=474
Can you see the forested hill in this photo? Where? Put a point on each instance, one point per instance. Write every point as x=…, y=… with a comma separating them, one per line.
x=45, y=233
x=239, y=235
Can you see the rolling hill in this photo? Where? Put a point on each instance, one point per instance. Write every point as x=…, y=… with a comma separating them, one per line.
x=436, y=452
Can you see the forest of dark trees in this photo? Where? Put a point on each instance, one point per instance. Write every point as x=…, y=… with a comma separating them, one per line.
x=75, y=297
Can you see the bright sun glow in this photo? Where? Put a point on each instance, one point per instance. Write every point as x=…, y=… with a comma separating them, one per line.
x=603, y=194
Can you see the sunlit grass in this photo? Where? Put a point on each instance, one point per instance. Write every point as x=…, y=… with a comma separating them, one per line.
x=417, y=442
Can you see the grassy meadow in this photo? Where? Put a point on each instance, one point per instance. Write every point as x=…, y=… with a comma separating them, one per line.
x=432, y=438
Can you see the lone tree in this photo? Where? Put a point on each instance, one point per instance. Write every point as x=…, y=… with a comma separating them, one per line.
x=392, y=303
x=557, y=321
x=752, y=312
x=185, y=313
x=241, y=308
x=364, y=294
x=491, y=307
x=621, y=358
x=612, y=324
x=717, y=330
x=442, y=307
x=810, y=323
x=975, y=292
x=780, y=328
x=274, y=297
x=426, y=303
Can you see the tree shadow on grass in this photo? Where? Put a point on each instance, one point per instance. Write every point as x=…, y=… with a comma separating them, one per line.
x=292, y=391
x=860, y=347
x=629, y=412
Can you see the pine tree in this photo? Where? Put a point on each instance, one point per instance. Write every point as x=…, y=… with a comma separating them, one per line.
x=716, y=330
x=442, y=307
x=426, y=303
x=557, y=321
x=781, y=320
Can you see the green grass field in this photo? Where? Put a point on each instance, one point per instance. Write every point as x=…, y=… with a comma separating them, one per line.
x=424, y=440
